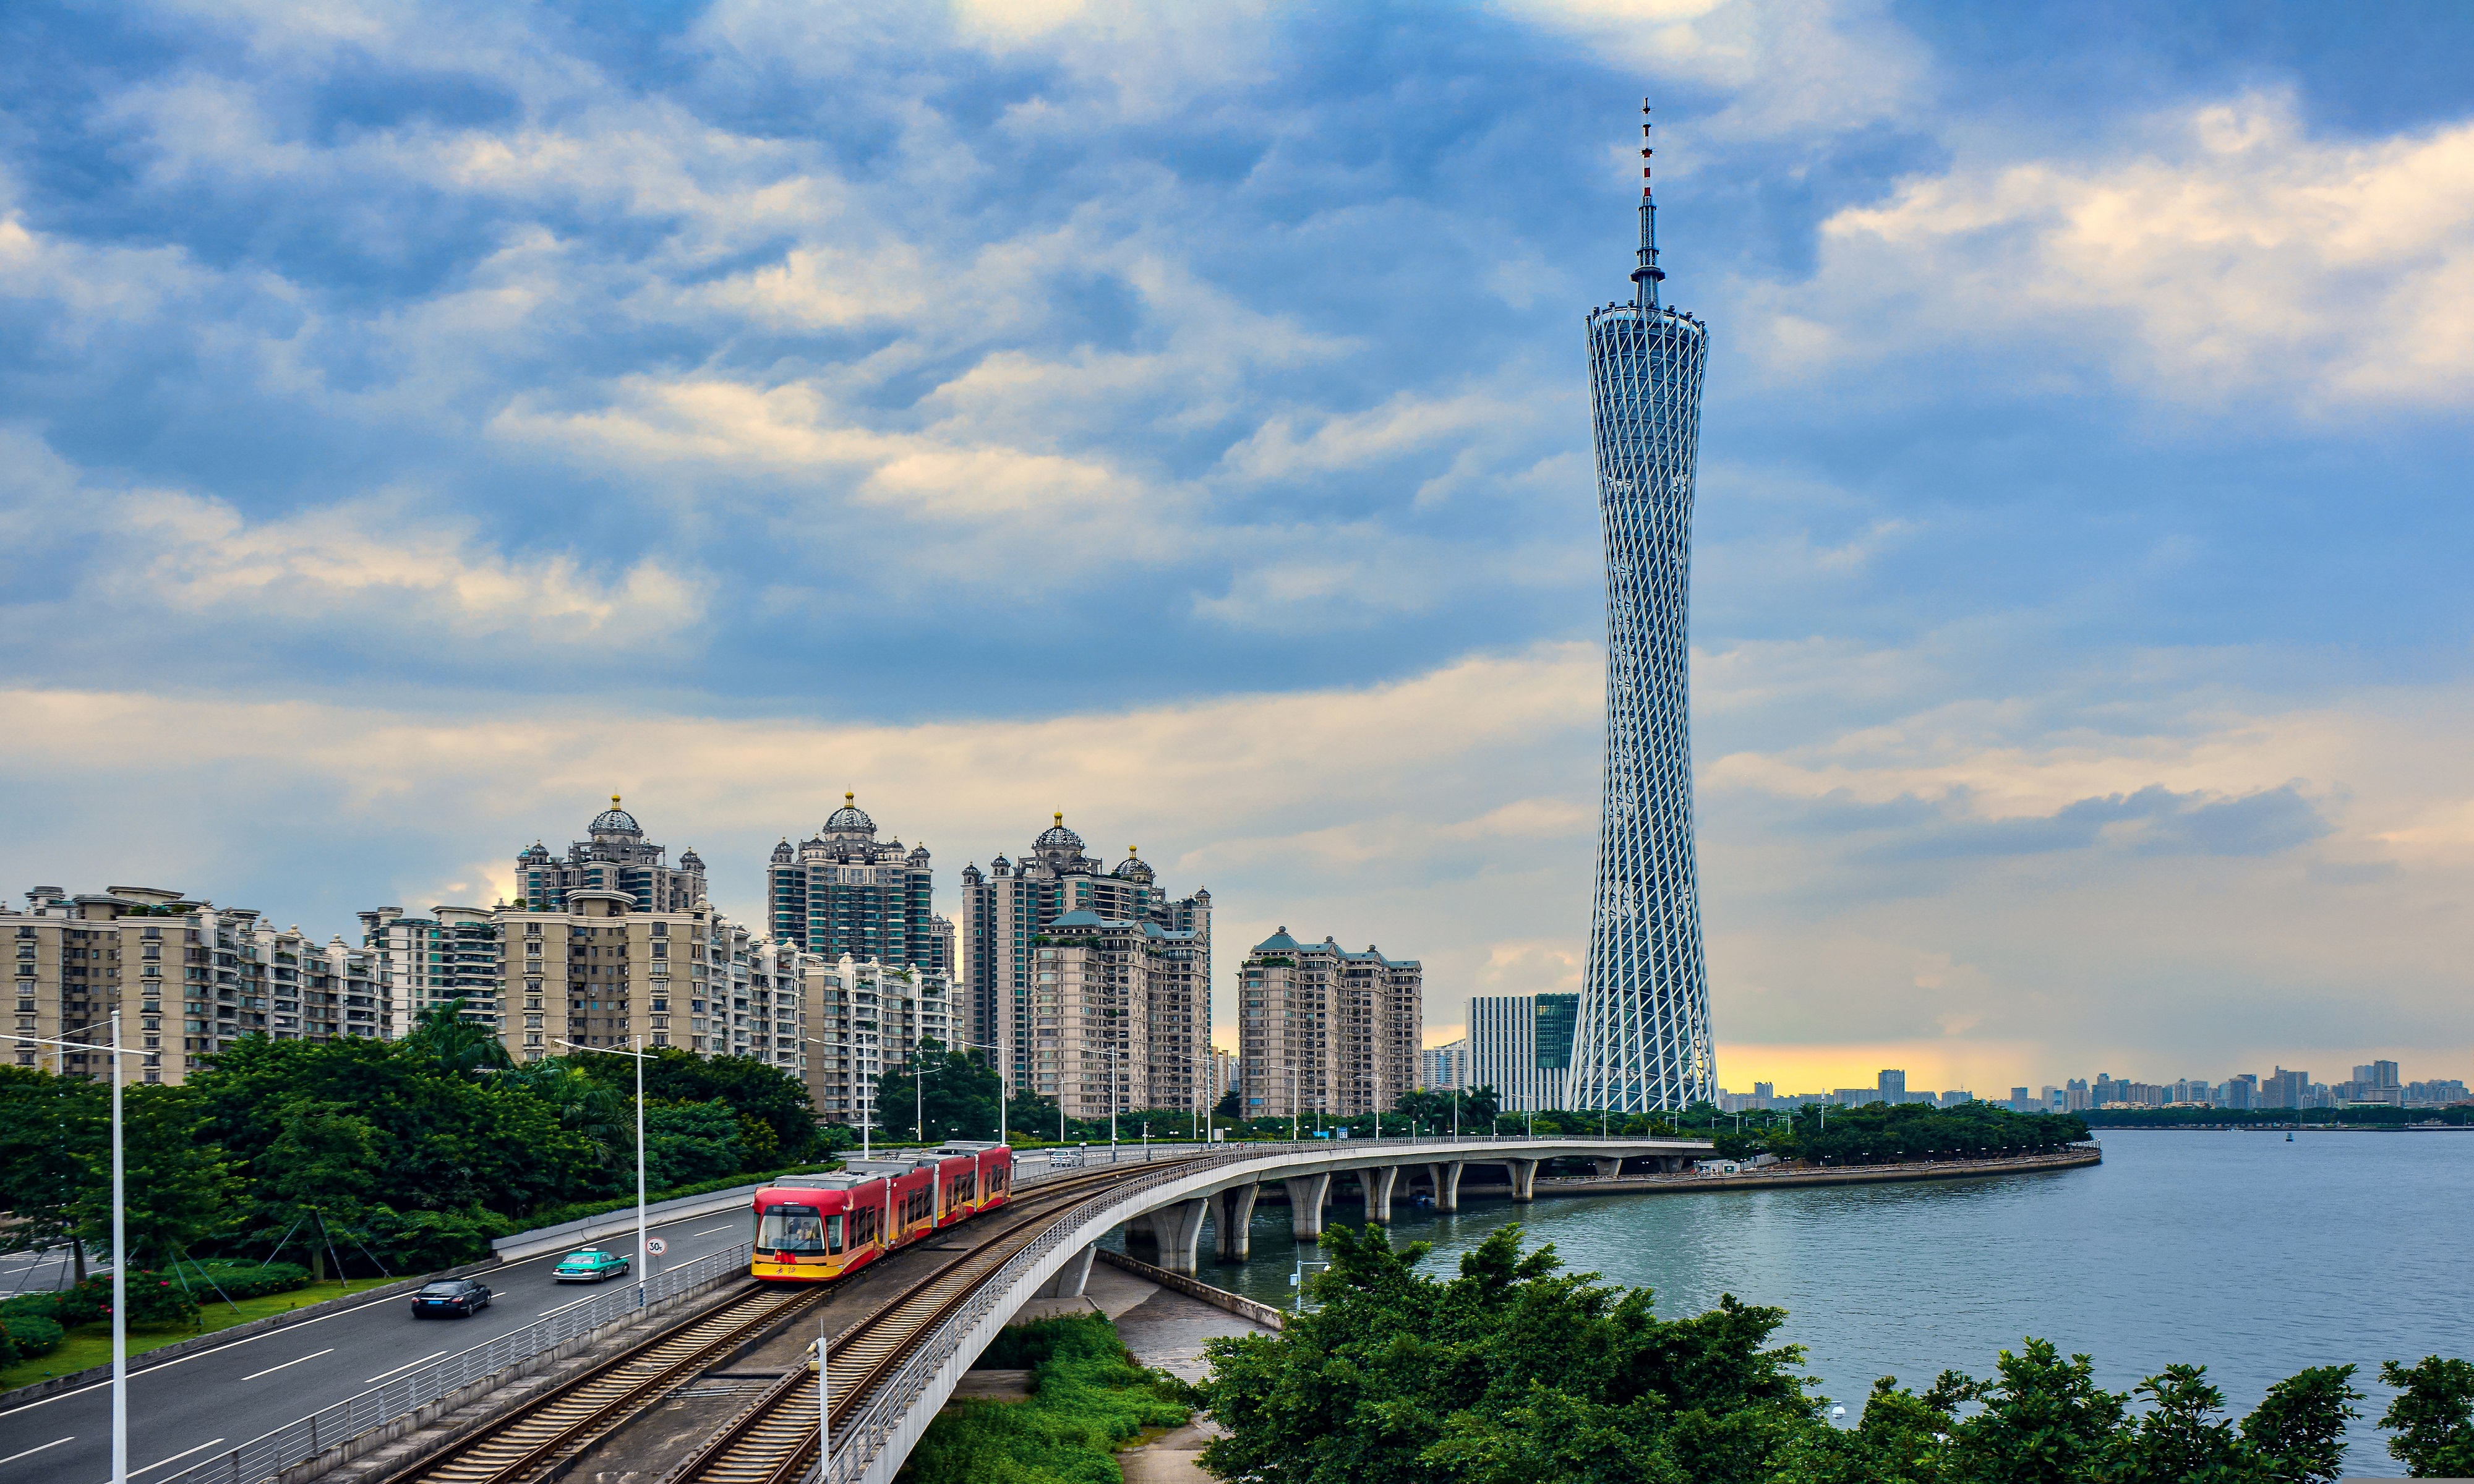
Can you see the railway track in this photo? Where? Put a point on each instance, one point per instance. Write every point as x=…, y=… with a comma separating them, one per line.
x=539, y=1439
x=773, y=1438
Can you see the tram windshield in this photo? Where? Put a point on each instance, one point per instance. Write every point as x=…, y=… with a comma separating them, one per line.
x=793, y=1228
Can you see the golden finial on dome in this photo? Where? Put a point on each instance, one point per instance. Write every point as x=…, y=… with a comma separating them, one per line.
x=1060, y=815
x=614, y=800
x=848, y=796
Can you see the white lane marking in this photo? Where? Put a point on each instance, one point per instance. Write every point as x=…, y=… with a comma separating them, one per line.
x=289, y=1364
x=60, y=1395
x=406, y=1366
x=709, y=1230
x=175, y=1458
x=36, y=1448
x=564, y=1307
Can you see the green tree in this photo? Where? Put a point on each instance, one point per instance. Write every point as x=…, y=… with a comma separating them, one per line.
x=1481, y=1106
x=317, y=1177
x=51, y=1130
x=755, y=1089
x=179, y=1189
x=2299, y=1428
x=687, y=1143
x=456, y=1045
x=954, y=1093
x=2045, y=1420
x=1901, y=1438
x=2433, y=1416
x=1508, y=1373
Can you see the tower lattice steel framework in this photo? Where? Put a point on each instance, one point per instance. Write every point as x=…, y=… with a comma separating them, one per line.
x=1644, y=1040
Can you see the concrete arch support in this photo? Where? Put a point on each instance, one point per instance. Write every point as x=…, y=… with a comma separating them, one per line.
x=1445, y=1178
x=1306, y=1195
x=1070, y=1278
x=1375, y=1183
x=1179, y=1229
x=1524, y=1178
x=1232, y=1216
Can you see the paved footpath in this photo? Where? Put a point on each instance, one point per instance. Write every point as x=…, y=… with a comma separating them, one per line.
x=221, y=1398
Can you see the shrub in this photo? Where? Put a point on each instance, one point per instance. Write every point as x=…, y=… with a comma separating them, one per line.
x=1088, y=1396
x=245, y=1279
x=425, y=1241
x=154, y=1297
x=29, y=1334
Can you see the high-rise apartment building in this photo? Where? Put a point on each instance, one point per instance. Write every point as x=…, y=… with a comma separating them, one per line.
x=1119, y=1017
x=1521, y=1045
x=188, y=977
x=1010, y=907
x=1324, y=1030
x=615, y=858
x=422, y=963
x=842, y=893
x=1445, y=1069
x=870, y=1017
x=1645, y=1027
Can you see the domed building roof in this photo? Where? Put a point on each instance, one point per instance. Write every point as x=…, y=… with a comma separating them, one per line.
x=782, y=851
x=1056, y=837
x=690, y=860
x=850, y=817
x=614, y=821
x=1133, y=868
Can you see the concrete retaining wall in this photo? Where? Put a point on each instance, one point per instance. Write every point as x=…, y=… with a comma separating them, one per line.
x=1236, y=1304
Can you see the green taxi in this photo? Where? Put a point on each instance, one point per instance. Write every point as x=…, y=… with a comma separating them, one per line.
x=589, y=1265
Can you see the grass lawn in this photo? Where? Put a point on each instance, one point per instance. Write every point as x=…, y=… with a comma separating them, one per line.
x=90, y=1345
x=1088, y=1400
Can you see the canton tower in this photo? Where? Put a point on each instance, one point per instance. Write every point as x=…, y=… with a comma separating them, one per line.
x=1644, y=1037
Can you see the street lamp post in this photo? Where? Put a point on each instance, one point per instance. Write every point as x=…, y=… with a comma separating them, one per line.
x=1000, y=1084
x=119, y=1253
x=642, y=1257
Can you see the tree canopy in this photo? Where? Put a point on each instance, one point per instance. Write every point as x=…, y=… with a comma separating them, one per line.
x=1514, y=1373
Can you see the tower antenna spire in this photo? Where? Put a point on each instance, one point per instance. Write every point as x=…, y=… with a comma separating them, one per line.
x=1647, y=276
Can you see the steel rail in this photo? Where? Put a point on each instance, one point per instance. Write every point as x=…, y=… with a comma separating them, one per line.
x=549, y=1431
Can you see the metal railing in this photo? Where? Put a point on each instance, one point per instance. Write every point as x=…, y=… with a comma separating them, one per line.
x=270, y=1454
x=857, y=1441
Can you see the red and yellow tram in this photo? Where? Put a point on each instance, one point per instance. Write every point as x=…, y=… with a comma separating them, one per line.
x=810, y=1229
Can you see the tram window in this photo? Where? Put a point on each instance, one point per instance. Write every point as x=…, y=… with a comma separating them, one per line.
x=834, y=1234
x=791, y=1228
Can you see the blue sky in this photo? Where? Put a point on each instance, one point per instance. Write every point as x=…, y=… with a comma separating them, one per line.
x=418, y=421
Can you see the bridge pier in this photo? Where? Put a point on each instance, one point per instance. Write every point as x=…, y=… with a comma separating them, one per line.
x=1177, y=1228
x=1232, y=1216
x=1446, y=1179
x=1375, y=1184
x=1306, y=1195
x=1609, y=1169
x=1524, y=1178
x=1070, y=1278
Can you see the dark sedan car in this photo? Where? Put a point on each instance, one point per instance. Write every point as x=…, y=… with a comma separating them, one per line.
x=460, y=1297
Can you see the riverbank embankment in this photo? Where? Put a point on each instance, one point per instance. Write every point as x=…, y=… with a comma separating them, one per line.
x=1781, y=1176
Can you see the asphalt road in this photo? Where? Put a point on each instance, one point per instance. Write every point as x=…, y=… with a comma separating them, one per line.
x=184, y=1410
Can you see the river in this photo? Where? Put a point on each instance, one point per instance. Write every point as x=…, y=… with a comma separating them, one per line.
x=2238, y=1251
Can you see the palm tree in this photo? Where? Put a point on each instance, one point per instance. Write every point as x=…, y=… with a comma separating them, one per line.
x=457, y=1044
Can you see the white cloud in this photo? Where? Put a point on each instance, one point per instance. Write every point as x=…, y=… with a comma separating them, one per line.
x=1792, y=66
x=421, y=574
x=2224, y=253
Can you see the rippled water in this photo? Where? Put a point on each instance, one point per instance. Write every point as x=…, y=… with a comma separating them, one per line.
x=2238, y=1251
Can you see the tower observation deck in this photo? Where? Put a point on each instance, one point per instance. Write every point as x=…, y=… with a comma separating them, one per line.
x=1643, y=1035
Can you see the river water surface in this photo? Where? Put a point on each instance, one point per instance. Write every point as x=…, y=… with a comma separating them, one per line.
x=2238, y=1251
